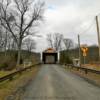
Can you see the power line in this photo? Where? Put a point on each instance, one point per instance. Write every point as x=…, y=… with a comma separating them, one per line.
x=90, y=26
x=98, y=14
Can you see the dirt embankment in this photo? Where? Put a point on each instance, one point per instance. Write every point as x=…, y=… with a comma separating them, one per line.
x=92, y=77
x=11, y=90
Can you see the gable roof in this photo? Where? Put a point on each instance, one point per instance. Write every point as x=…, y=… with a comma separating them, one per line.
x=50, y=50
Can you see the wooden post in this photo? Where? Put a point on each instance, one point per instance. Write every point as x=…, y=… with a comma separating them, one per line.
x=98, y=34
x=79, y=49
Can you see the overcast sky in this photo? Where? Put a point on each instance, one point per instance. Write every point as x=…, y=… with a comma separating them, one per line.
x=70, y=18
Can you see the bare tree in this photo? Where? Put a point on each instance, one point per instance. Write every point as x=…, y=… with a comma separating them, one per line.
x=20, y=20
x=3, y=39
x=29, y=44
x=11, y=44
x=50, y=40
x=55, y=40
x=68, y=44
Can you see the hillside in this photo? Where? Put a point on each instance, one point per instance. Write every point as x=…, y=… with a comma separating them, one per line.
x=9, y=60
x=92, y=55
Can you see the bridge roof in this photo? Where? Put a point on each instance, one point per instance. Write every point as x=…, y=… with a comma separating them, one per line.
x=50, y=50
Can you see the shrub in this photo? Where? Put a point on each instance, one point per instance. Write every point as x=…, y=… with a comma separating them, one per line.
x=7, y=63
x=15, y=57
x=3, y=66
x=65, y=59
x=68, y=60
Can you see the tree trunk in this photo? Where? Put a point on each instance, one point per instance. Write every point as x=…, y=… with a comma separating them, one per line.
x=19, y=56
x=5, y=43
x=19, y=53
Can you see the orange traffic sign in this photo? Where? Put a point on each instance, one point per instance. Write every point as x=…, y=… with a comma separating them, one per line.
x=84, y=50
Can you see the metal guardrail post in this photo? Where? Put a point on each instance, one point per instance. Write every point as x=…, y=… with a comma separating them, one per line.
x=86, y=71
x=10, y=76
x=77, y=68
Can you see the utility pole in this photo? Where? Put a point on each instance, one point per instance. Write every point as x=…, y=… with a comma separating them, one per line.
x=79, y=49
x=98, y=34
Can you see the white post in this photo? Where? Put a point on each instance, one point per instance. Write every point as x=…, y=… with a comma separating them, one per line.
x=41, y=57
x=79, y=49
x=58, y=56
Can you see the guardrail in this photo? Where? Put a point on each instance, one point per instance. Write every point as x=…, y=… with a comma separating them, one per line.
x=86, y=70
x=10, y=76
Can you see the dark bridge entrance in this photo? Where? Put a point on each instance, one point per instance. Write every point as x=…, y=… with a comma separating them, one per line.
x=50, y=56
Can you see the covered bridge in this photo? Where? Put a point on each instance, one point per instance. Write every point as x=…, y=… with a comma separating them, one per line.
x=50, y=56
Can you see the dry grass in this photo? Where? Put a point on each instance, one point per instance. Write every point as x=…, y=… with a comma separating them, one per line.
x=91, y=76
x=92, y=66
x=3, y=73
x=9, y=87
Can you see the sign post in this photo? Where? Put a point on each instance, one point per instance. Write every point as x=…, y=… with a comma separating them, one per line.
x=84, y=50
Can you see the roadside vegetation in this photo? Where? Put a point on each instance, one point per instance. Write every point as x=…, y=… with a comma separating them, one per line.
x=9, y=62
x=19, y=20
x=16, y=33
x=90, y=77
x=12, y=90
x=91, y=60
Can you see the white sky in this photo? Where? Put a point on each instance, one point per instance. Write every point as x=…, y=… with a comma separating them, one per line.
x=70, y=18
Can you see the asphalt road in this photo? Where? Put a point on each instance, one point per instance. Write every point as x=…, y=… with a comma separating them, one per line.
x=54, y=83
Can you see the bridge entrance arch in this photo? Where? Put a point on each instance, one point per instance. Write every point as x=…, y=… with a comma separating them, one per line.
x=50, y=56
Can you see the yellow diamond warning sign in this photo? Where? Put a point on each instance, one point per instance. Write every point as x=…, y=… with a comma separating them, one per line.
x=84, y=50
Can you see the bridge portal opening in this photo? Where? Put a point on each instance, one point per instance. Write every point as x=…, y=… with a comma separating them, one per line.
x=50, y=56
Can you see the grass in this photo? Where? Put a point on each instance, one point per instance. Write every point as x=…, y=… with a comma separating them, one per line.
x=92, y=66
x=9, y=87
x=3, y=73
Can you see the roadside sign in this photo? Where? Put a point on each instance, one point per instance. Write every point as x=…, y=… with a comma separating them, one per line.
x=84, y=50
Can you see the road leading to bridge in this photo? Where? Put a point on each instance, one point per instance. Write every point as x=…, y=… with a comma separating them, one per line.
x=54, y=83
